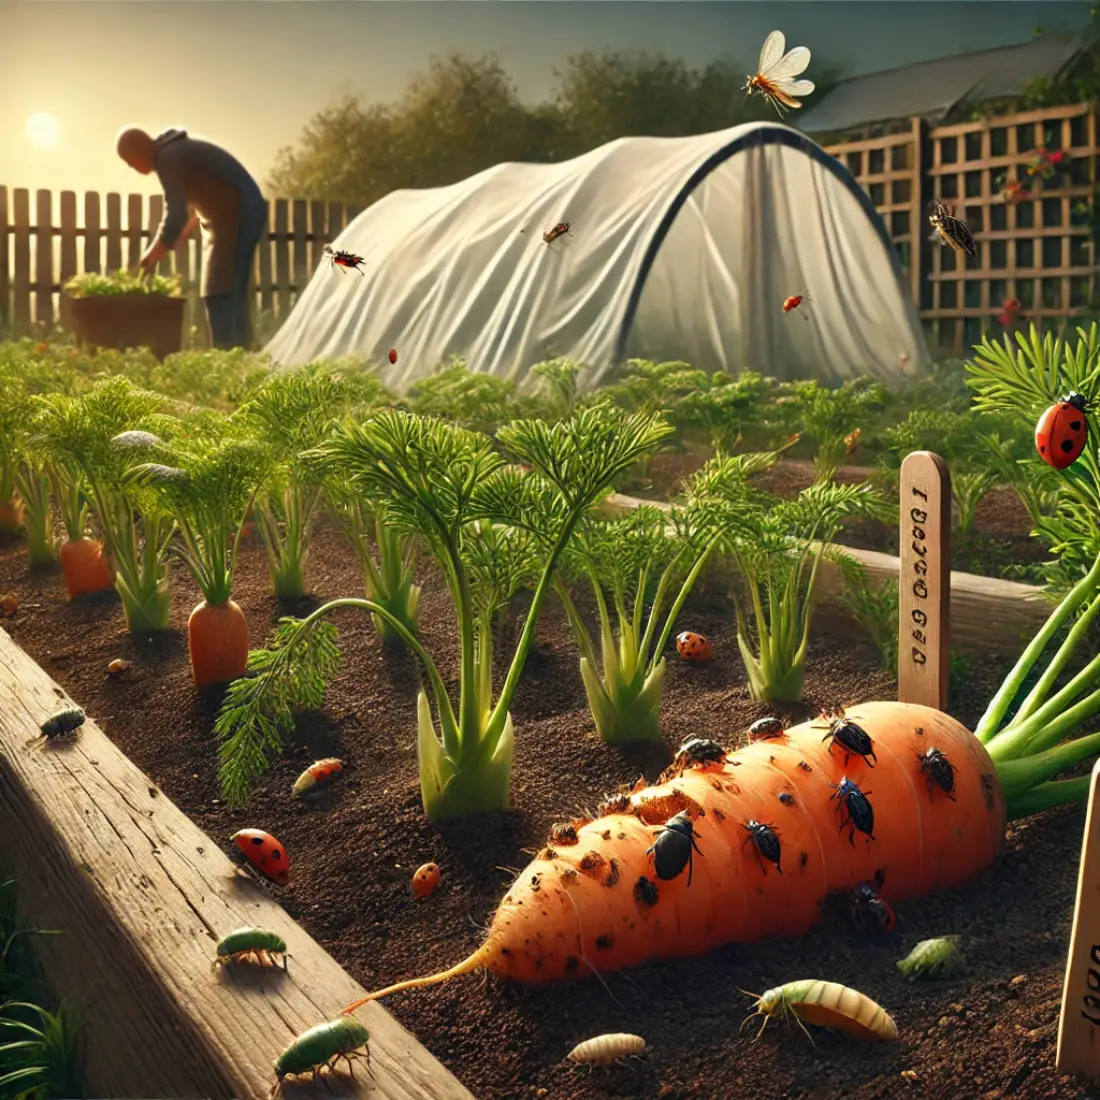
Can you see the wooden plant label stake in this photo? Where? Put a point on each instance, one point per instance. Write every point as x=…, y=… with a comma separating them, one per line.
x=1079, y=1026
x=924, y=581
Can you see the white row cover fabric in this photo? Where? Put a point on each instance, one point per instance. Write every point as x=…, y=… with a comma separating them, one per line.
x=680, y=248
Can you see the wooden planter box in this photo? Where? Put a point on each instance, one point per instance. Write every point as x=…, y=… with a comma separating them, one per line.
x=141, y=895
x=153, y=321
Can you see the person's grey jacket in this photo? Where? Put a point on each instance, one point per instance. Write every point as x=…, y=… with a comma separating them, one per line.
x=205, y=178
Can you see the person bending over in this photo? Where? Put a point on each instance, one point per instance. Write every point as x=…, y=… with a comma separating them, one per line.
x=204, y=184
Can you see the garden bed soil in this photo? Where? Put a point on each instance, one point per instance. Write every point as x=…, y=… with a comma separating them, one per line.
x=998, y=545
x=354, y=848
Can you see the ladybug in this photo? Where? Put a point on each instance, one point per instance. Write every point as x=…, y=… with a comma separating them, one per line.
x=693, y=647
x=393, y=355
x=763, y=729
x=265, y=853
x=1062, y=432
x=672, y=850
x=426, y=879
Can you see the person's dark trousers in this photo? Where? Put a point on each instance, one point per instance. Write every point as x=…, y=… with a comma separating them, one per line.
x=227, y=318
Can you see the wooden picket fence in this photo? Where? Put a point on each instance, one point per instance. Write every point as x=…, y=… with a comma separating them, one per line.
x=1039, y=250
x=37, y=257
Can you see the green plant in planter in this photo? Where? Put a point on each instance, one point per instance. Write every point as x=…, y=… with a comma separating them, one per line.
x=114, y=284
x=448, y=487
x=726, y=407
x=479, y=402
x=777, y=547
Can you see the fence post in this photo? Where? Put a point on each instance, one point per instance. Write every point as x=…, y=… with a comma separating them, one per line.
x=5, y=287
x=916, y=214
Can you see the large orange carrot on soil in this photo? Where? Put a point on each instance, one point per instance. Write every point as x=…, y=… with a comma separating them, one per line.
x=84, y=567
x=217, y=641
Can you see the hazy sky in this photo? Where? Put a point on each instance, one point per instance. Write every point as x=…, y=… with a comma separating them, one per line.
x=249, y=74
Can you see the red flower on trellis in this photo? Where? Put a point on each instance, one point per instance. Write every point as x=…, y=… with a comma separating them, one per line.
x=1010, y=312
x=1047, y=164
x=1014, y=191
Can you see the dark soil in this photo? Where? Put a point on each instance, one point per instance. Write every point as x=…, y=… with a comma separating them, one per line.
x=354, y=849
x=998, y=546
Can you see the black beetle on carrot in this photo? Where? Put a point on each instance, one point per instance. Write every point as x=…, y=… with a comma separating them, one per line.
x=672, y=850
x=939, y=771
x=852, y=738
x=763, y=729
x=855, y=809
x=765, y=842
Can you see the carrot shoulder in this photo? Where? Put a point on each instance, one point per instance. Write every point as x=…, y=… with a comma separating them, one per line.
x=596, y=905
x=84, y=567
x=217, y=641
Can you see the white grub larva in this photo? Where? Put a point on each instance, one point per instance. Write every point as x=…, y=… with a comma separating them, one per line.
x=605, y=1049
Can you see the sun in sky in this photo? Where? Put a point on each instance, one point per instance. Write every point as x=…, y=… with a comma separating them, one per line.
x=43, y=130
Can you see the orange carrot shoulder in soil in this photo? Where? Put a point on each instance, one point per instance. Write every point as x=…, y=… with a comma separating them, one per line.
x=84, y=567
x=218, y=642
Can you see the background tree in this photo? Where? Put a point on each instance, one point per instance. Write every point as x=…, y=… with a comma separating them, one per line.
x=464, y=115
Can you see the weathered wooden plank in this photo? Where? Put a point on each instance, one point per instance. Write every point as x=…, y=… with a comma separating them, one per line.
x=114, y=231
x=5, y=279
x=43, y=259
x=135, y=229
x=21, y=254
x=68, y=250
x=267, y=298
x=92, y=231
x=987, y=614
x=300, y=259
x=143, y=895
x=282, y=259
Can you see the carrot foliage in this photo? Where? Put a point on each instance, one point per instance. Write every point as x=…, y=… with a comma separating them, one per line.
x=89, y=442
x=492, y=528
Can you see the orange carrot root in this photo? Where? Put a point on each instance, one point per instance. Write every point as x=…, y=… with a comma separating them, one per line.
x=596, y=905
x=11, y=516
x=84, y=567
x=218, y=643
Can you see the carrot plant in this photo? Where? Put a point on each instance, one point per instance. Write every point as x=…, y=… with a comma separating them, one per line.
x=90, y=441
x=726, y=407
x=207, y=480
x=777, y=547
x=490, y=526
x=1025, y=379
x=32, y=480
x=292, y=412
x=829, y=415
x=386, y=555
x=633, y=568
x=479, y=402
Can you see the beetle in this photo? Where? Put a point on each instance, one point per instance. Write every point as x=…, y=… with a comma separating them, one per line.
x=559, y=230
x=870, y=911
x=265, y=853
x=1063, y=431
x=765, y=842
x=764, y=729
x=118, y=668
x=698, y=751
x=672, y=850
x=693, y=647
x=425, y=879
x=393, y=355
x=786, y=798
x=251, y=945
x=61, y=726
x=853, y=739
x=321, y=1046
x=939, y=771
x=342, y=259
x=950, y=230
x=318, y=772
x=855, y=810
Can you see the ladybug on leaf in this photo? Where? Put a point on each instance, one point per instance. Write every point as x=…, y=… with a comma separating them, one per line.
x=1062, y=432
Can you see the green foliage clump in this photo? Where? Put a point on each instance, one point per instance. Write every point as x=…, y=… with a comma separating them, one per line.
x=93, y=284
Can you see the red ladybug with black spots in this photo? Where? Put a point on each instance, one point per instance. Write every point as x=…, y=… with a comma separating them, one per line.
x=693, y=647
x=1062, y=432
x=265, y=853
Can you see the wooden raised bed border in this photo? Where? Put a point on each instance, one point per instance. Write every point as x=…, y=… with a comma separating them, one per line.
x=141, y=896
x=987, y=614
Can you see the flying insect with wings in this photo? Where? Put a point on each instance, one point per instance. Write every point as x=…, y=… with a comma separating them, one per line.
x=343, y=259
x=951, y=231
x=776, y=71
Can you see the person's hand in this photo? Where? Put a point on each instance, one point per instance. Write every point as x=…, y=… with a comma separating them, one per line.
x=153, y=255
